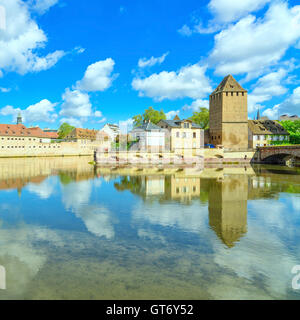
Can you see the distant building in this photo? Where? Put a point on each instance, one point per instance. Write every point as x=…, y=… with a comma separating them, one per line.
x=262, y=132
x=290, y=118
x=19, y=118
x=228, y=115
x=112, y=130
x=52, y=133
x=17, y=136
x=92, y=139
x=182, y=134
x=149, y=137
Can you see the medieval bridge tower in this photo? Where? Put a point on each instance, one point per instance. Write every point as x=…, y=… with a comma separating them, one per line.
x=228, y=115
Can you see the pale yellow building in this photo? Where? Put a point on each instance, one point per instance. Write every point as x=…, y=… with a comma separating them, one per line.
x=228, y=115
x=263, y=133
x=182, y=135
x=90, y=139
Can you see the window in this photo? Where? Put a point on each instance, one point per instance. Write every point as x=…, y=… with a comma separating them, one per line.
x=237, y=94
x=232, y=94
x=242, y=93
x=227, y=94
x=177, y=134
x=194, y=135
x=184, y=135
x=254, y=138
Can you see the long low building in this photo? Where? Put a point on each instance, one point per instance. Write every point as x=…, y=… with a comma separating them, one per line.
x=16, y=140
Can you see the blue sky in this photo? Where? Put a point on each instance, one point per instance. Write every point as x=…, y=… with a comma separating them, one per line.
x=91, y=62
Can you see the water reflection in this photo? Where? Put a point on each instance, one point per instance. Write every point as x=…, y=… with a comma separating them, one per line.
x=68, y=230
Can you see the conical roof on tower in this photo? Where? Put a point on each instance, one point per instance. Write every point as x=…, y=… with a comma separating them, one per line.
x=229, y=84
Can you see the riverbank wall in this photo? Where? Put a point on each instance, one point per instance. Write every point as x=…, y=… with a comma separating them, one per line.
x=62, y=149
x=200, y=156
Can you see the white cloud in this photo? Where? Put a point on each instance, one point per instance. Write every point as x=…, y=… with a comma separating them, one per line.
x=98, y=76
x=272, y=113
x=171, y=114
x=41, y=111
x=189, y=81
x=196, y=105
x=98, y=114
x=20, y=41
x=72, y=121
x=289, y=106
x=266, y=88
x=224, y=12
x=143, y=62
x=76, y=104
x=231, y=10
x=185, y=30
x=5, y=90
x=251, y=45
x=41, y=6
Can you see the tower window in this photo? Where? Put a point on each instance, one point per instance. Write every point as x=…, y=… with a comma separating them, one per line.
x=232, y=94
x=227, y=94
x=242, y=93
x=237, y=94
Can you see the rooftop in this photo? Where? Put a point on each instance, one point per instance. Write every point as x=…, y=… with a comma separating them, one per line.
x=229, y=84
x=265, y=127
x=19, y=130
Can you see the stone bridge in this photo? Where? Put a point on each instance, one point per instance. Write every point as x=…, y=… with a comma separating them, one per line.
x=278, y=154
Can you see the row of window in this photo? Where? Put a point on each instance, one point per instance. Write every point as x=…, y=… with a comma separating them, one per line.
x=218, y=95
x=23, y=147
x=185, y=135
x=19, y=139
x=272, y=138
x=186, y=189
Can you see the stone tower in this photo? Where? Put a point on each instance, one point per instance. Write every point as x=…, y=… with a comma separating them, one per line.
x=228, y=115
x=19, y=118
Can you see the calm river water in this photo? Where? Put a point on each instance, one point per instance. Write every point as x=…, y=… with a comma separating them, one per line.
x=70, y=231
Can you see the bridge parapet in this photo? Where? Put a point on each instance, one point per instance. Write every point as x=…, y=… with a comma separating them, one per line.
x=278, y=154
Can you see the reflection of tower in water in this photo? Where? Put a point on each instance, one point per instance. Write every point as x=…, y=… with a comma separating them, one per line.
x=228, y=208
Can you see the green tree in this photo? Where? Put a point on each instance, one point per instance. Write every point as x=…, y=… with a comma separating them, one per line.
x=150, y=114
x=293, y=128
x=64, y=130
x=201, y=118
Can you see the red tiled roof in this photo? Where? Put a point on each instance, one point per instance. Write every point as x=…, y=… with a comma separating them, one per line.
x=52, y=135
x=19, y=130
x=79, y=133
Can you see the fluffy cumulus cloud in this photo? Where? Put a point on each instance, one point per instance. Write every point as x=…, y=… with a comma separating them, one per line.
x=266, y=88
x=41, y=6
x=196, y=105
x=98, y=76
x=189, y=81
x=225, y=11
x=21, y=39
x=76, y=104
x=42, y=111
x=290, y=106
x=171, y=114
x=144, y=62
x=72, y=121
x=251, y=45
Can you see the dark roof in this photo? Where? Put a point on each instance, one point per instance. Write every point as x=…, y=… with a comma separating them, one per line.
x=177, y=124
x=148, y=126
x=229, y=84
x=266, y=127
